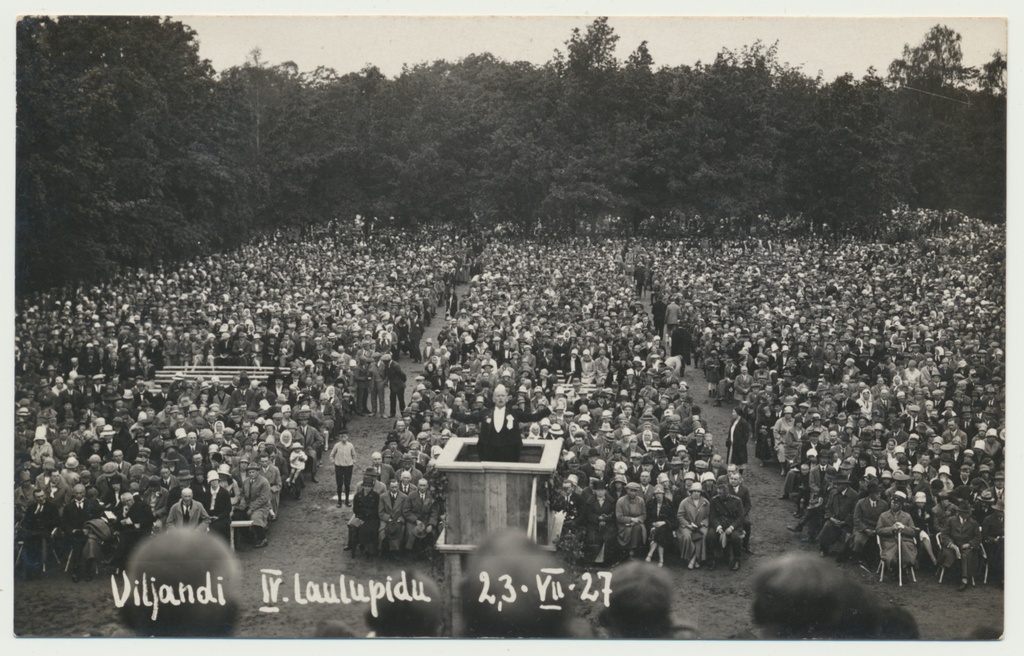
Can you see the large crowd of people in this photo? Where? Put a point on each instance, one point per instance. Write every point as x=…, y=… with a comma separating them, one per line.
x=869, y=377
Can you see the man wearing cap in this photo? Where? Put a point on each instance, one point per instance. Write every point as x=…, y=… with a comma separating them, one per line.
x=993, y=534
x=726, y=526
x=838, y=516
x=53, y=485
x=896, y=528
x=65, y=445
x=960, y=540
x=599, y=521
x=254, y=503
x=865, y=516
x=500, y=427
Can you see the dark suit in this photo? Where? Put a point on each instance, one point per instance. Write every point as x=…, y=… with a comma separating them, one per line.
x=501, y=444
x=73, y=525
x=140, y=525
x=36, y=526
x=419, y=509
x=599, y=520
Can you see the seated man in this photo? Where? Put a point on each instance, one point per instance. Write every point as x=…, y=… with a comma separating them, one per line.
x=726, y=525
x=896, y=529
x=391, y=514
x=838, y=516
x=41, y=517
x=188, y=513
x=960, y=541
x=254, y=503
x=993, y=534
x=77, y=513
x=865, y=517
x=422, y=514
x=133, y=521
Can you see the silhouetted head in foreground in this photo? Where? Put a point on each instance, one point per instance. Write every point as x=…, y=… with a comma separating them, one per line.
x=399, y=618
x=513, y=554
x=799, y=596
x=640, y=605
x=197, y=570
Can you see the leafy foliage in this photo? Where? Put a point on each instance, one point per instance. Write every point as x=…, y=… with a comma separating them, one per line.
x=132, y=150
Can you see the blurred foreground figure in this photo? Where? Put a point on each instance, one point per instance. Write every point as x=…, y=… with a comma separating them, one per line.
x=641, y=605
x=799, y=596
x=197, y=569
x=397, y=618
x=512, y=553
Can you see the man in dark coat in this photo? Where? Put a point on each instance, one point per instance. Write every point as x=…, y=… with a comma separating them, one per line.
x=838, y=516
x=501, y=437
x=134, y=521
x=77, y=512
x=726, y=525
x=41, y=517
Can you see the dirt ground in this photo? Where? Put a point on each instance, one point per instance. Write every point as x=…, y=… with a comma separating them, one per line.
x=309, y=537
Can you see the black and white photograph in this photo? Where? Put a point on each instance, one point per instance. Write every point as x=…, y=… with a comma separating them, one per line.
x=607, y=325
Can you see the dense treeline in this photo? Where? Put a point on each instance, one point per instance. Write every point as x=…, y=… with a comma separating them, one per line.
x=131, y=149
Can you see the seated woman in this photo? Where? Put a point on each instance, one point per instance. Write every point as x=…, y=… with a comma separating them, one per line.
x=693, y=519
x=631, y=518
x=661, y=521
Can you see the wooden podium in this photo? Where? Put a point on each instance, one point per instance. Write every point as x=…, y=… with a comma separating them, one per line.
x=488, y=497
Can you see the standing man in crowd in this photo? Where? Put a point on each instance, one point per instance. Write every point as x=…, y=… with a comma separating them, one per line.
x=396, y=384
x=343, y=456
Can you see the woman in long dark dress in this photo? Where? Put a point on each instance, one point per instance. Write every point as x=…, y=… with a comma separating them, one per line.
x=661, y=519
x=764, y=448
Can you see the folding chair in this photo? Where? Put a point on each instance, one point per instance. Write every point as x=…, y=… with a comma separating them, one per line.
x=49, y=549
x=942, y=568
x=881, y=564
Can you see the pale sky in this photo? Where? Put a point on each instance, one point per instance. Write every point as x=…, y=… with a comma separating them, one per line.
x=832, y=45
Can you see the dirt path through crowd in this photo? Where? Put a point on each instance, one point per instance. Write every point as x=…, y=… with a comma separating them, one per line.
x=307, y=543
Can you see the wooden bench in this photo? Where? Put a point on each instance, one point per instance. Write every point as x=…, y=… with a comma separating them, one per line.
x=238, y=523
x=226, y=373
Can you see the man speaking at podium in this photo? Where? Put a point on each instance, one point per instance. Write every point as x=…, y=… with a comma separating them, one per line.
x=501, y=437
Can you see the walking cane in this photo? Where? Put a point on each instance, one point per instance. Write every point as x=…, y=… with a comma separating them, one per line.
x=899, y=553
